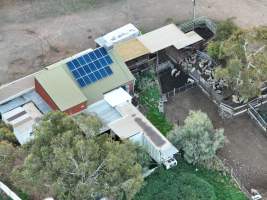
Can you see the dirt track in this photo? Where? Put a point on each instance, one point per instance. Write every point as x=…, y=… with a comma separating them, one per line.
x=35, y=33
x=246, y=145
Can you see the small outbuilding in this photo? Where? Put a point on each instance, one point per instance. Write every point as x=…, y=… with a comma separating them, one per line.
x=22, y=119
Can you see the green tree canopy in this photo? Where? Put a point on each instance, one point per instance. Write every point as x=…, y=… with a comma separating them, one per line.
x=197, y=138
x=6, y=134
x=10, y=157
x=90, y=125
x=243, y=59
x=225, y=29
x=7, y=159
x=67, y=163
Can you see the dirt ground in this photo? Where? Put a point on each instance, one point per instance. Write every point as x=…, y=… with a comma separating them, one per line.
x=35, y=33
x=246, y=146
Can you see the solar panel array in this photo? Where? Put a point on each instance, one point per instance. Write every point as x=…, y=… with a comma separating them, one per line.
x=91, y=67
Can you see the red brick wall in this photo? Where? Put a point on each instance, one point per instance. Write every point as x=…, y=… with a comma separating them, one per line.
x=41, y=91
x=76, y=109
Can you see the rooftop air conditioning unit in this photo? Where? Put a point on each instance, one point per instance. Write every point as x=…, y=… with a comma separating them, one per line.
x=121, y=34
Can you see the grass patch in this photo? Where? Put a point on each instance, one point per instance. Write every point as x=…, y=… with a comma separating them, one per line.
x=187, y=183
x=149, y=96
x=225, y=29
x=159, y=120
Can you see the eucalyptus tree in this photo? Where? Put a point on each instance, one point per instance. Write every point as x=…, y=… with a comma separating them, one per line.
x=197, y=139
x=67, y=163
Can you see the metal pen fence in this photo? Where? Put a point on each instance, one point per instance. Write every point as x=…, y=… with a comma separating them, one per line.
x=180, y=89
x=226, y=111
x=206, y=88
x=199, y=23
x=255, y=115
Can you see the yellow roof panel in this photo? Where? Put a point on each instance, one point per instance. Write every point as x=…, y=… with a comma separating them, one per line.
x=130, y=49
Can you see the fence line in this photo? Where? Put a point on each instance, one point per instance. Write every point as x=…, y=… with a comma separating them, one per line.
x=254, y=114
x=227, y=110
x=199, y=22
x=180, y=89
x=228, y=168
x=9, y=192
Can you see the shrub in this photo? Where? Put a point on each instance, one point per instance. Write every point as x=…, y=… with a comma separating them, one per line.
x=225, y=29
x=197, y=138
x=159, y=120
x=149, y=94
x=213, y=49
x=7, y=134
x=189, y=183
x=169, y=185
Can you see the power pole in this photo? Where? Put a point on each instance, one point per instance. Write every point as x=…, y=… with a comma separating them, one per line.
x=194, y=13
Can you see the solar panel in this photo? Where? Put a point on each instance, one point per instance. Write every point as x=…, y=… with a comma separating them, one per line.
x=91, y=67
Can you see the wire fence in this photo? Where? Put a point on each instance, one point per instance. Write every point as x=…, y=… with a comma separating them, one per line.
x=199, y=22
x=180, y=89
x=234, y=176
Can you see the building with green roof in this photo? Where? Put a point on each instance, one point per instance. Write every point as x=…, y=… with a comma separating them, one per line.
x=60, y=90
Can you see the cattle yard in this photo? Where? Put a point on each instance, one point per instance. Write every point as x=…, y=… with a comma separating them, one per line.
x=246, y=144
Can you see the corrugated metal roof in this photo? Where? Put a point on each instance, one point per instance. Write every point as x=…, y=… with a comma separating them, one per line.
x=133, y=122
x=104, y=112
x=117, y=96
x=23, y=85
x=22, y=120
x=167, y=36
x=120, y=76
x=61, y=88
x=12, y=104
x=23, y=99
x=193, y=37
x=131, y=49
x=16, y=88
x=59, y=83
x=23, y=132
x=37, y=100
x=33, y=111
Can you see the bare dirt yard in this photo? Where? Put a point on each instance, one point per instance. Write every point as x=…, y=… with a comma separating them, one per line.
x=35, y=33
x=246, y=145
